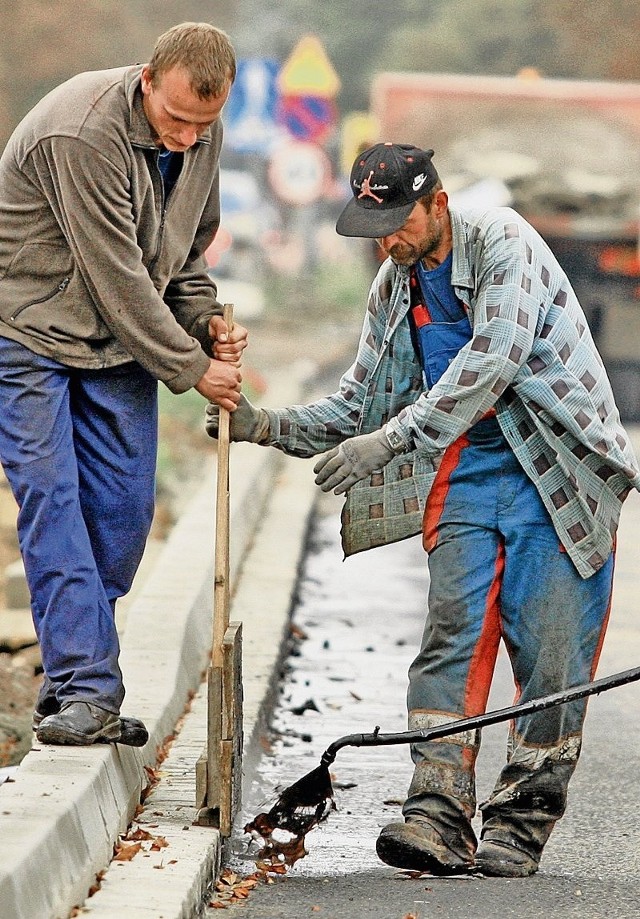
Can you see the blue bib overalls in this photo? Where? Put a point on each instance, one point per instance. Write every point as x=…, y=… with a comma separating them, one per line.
x=497, y=572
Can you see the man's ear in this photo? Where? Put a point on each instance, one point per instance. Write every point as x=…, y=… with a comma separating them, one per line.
x=145, y=81
x=441, y=202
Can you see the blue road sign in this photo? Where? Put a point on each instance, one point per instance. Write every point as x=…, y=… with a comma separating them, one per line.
x=249, y=115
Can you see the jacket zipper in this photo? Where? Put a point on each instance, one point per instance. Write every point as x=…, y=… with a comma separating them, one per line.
x=58, y=289
x=163, y=209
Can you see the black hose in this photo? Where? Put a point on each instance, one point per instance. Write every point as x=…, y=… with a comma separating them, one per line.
x=375, y=739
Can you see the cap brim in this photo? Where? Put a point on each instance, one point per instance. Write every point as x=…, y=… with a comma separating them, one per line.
x=371, y=222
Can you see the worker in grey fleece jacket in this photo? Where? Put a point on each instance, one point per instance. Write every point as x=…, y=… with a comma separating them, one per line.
x=108, y=200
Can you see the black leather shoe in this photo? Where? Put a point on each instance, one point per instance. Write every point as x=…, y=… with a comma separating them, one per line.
x=133, y=732
x=79, y=723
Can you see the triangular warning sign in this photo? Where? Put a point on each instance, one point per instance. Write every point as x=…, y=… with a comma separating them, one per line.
x=308, y=71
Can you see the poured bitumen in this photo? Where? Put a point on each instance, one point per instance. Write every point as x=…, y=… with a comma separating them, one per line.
x=356, y=627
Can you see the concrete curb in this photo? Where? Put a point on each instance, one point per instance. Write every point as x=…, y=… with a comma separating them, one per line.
x=66, y=807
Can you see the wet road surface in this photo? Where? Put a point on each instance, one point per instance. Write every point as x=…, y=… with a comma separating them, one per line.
x=359, y=624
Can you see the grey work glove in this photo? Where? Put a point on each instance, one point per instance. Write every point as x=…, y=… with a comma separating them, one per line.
x=246, y=423
x=353, y=460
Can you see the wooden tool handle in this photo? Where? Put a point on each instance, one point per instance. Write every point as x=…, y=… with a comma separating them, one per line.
x=225, y=415
x=221, y=566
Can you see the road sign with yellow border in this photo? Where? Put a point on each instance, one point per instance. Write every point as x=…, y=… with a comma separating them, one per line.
x=308, y=71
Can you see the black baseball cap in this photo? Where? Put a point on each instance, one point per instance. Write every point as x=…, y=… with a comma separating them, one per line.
x=386, y=181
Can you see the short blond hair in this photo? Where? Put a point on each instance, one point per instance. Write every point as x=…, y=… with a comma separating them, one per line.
x=205, y=52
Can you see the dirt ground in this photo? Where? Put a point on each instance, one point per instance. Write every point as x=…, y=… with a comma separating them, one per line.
x=19, y=670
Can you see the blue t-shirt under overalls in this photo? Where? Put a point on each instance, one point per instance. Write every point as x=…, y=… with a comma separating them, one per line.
x=440, y=328
x=440, y=323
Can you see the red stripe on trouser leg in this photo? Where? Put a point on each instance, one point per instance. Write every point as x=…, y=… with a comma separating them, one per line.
x=439, y=491
x=596, y=656
x=483, y=660
x=484, y=656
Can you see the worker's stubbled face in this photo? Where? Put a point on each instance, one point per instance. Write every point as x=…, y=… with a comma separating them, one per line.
x=419, y=237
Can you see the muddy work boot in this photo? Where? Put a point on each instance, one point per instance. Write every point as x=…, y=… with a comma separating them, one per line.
x=79, y=723
x=500, y=859
x=417, y=846
x=133, y=732
x=520, y=815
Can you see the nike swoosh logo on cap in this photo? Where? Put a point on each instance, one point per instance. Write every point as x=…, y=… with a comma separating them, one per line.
x=419, y=181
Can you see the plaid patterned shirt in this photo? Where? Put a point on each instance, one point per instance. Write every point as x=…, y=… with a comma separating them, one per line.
x=531, y=357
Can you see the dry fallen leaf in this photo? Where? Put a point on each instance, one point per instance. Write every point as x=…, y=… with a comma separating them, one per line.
x=138, y=835
x=232, y=888
x=165, y=746
x=159, y=842
x=250, y=882
x=228, y=878
x=153, y=777
x=126, y=851
x=265, y=744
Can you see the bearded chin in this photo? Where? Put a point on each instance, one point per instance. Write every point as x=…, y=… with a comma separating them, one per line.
x=404, y=255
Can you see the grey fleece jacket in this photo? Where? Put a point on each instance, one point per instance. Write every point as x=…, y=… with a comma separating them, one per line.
x=95, y=271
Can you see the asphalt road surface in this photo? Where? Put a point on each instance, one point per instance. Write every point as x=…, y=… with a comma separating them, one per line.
x=362, y=620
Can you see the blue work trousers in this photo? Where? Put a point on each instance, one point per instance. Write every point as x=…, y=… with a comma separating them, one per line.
x=78, y=448
x=499, y=573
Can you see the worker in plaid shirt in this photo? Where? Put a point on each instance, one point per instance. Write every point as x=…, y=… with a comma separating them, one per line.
x=479, y=410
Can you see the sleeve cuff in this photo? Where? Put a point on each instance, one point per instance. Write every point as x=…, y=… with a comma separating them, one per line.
x=396, y=441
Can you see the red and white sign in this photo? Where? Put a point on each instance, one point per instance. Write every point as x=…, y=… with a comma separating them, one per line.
x=307, y=118
x=299, y=172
